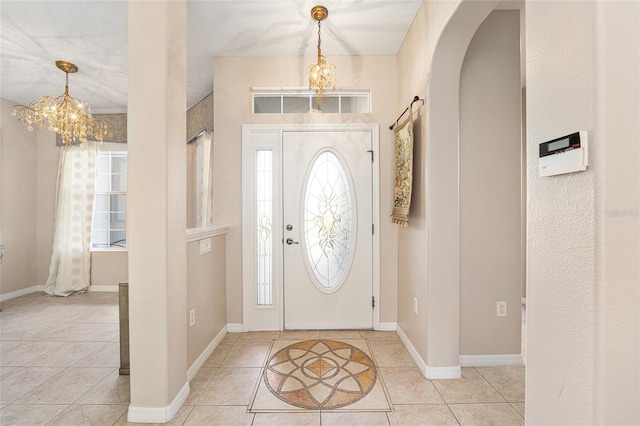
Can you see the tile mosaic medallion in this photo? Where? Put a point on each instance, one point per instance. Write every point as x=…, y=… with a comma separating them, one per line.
x=320, y=375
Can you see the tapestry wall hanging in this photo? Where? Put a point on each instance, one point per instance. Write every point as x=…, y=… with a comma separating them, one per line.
x=403, y=171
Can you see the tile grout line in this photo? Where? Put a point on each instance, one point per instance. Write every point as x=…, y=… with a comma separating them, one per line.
x=39, y=384
x=382, y=383
x=493, y=387
x=491, y=384
x=445, y=401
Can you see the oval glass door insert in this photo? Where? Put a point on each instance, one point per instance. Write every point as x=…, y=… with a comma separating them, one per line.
x=329, y=216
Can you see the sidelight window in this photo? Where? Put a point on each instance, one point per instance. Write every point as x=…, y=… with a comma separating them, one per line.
x=264, y=223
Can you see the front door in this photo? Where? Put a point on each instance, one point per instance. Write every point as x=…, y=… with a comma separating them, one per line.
x=327, y=235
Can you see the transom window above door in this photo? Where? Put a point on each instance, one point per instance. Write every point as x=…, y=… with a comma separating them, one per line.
x=301, y=101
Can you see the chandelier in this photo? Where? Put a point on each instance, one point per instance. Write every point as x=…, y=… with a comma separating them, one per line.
x=67, y=116
x=321, y=75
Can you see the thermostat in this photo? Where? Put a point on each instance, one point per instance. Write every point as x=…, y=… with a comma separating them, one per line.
x=566, y=154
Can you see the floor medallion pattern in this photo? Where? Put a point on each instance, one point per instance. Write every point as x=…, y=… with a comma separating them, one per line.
x=320, y=374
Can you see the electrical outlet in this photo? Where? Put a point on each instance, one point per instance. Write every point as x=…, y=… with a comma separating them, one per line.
x=192, y=317
x=415, y=305
x=204, y=246
x=501, y=308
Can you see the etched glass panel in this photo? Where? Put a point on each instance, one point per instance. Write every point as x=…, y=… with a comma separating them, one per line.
x=264, y=219
x=329, y=104
x=355, y=104
x=265, y=104
x=295, y=103
x=328, y=220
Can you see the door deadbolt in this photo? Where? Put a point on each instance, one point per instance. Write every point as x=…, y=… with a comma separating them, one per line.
x=290, y=241
x=289, y=227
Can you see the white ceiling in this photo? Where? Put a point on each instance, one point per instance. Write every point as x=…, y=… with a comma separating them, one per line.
x=93, y=35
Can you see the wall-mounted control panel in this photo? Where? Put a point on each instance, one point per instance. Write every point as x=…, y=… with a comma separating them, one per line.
x=566, y=154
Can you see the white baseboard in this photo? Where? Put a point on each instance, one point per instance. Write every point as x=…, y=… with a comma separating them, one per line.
x=21, y=292
x=235, y=328
x=453, y=372
x=37, y=288
x=103, y=288
x=491, y=360
x=159, y=414
x=387, y=326
x=438, y=373
x=199, y=362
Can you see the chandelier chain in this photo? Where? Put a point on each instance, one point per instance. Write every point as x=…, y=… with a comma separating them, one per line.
x=322, y=75
x=319, y=51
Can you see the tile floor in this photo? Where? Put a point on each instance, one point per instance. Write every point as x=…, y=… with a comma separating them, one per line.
x=59, y=366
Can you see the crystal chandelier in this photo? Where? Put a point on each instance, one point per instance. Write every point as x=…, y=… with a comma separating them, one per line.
x=69, y=117
x=321, y=75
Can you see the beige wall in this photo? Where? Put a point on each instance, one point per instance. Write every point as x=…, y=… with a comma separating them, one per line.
x=109, y=268
x=414, y=62
x=430, y=252
x=19, y=205
x=206, y=293
x=490, y=188
x=583, y=353
x=156, y=206
x=233, y=78
x=47, y=172
x=618, y=190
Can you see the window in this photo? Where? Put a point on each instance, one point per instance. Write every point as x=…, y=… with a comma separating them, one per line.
x=200, y=181
x=328, y=220
x=264, y=219
x=293, y=101
x=109, y=207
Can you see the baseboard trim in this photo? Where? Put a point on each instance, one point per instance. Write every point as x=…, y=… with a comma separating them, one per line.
x=159, y=414
x=491, y=360
x=37, y=288
x=235, y=328
x=199, y=362
x=387, y=326
x=453, y=372
x=440, y=373
x=21, y=292
x=103, y=288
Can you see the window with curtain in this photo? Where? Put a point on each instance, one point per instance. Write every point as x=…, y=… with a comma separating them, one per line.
x=200, y=181
x=69, y=270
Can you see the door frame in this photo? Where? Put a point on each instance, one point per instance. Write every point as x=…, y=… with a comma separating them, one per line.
x=270, y=136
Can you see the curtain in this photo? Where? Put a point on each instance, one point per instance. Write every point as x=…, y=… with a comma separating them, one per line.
x=206, y=185
x=69, y=271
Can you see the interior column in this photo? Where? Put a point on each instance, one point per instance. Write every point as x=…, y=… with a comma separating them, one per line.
x=156, y=211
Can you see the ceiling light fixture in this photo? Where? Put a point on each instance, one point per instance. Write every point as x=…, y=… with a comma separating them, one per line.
x=69, y=117
x=321, y=75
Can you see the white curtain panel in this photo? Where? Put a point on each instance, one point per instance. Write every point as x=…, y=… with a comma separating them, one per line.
x=69, y=271
x=206, y=187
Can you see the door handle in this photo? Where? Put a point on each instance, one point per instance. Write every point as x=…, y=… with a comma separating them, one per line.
x=290, y=241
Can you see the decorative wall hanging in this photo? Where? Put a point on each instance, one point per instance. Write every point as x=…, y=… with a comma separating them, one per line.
x=403, y=171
